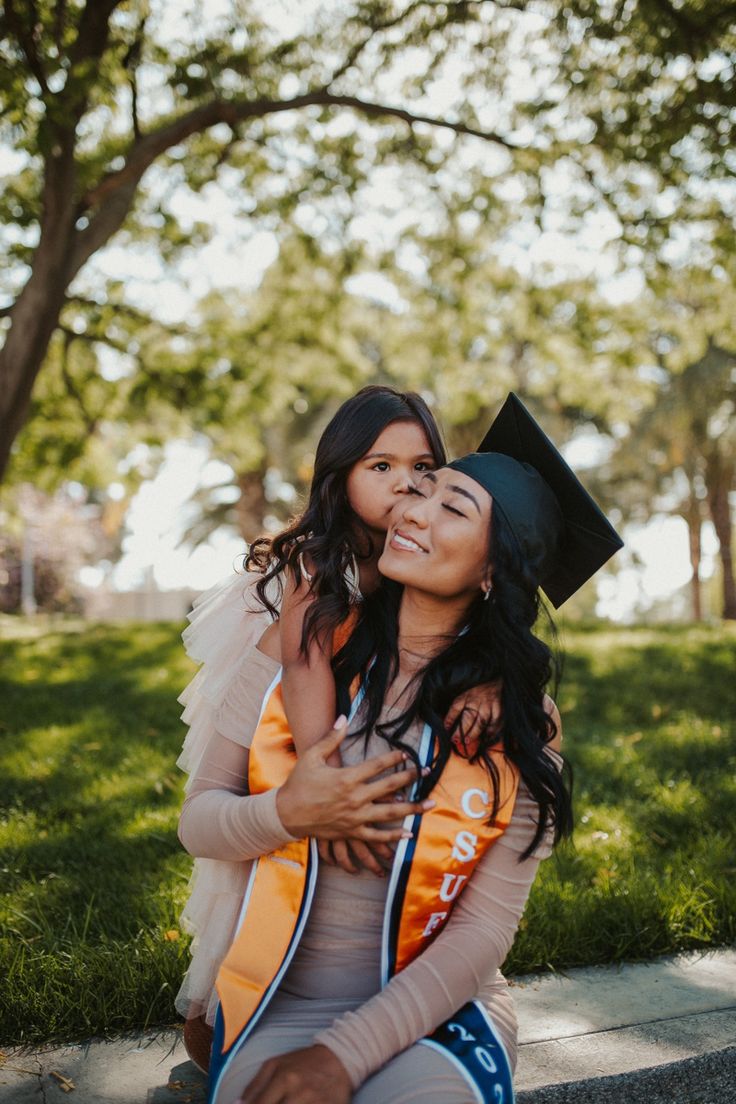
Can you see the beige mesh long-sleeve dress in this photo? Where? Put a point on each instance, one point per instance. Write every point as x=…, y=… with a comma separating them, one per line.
x=331, y=992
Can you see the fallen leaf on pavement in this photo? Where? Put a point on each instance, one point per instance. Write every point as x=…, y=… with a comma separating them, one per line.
x=64, y=1082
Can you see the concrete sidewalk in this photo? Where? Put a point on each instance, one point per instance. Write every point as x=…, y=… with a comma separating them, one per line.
x=656, y=1032
x=659, y=1033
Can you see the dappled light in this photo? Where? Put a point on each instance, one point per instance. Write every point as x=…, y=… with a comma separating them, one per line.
x=94, y=870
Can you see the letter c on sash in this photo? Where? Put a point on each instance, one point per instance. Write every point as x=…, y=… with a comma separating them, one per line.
x=451, y=886
x=475, y=814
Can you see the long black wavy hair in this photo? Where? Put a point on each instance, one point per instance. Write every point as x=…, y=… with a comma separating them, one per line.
x=497, y=643
x=329, y=534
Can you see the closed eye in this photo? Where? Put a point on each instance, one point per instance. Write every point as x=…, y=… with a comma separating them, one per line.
x=415, y=491
x=453, y=510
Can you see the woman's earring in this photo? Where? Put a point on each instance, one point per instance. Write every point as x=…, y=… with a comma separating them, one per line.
x=487, y=594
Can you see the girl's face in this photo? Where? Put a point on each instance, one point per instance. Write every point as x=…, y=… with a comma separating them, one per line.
x=395, y=461
x=438, y=537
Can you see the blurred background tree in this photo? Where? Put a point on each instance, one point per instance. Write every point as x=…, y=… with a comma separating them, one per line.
x=423, y=171
x=676, y=453
x=44, y=541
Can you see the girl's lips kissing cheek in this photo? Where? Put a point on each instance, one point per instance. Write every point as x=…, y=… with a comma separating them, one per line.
x=405, y=543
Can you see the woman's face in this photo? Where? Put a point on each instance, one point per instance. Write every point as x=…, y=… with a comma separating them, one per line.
x=395, y=461
x=437, y=540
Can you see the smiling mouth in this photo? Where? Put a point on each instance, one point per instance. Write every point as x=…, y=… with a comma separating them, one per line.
x=400, y=540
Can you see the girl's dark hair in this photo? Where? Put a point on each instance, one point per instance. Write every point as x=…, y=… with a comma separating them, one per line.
x=329, y=533
x=497, y=643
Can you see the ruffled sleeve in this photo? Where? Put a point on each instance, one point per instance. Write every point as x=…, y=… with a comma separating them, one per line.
x=225, y=622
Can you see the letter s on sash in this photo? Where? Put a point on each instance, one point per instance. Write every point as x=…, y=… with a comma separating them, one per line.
x=474, y=814
x=451, y=886
x=464, y=847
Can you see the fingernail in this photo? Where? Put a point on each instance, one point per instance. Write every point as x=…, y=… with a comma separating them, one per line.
x=428, y=804
x=407, y=835
x=341, y=721
x=425, y=771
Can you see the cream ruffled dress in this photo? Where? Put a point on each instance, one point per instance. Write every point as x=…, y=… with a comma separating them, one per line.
x=225, y=623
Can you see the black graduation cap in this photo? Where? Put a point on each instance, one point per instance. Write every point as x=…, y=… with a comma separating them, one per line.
x=564, y=535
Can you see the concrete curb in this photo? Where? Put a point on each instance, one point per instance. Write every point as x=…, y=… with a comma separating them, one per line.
x=655, y=1033
x=150, y=1068
x=617, y=1020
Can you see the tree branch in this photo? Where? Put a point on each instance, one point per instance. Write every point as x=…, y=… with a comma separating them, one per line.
x=376, y=28
x=131, y=312
x=130, y=63
x=103, y=225
x=94, y=28
x=145, y=151
x=59, y=21
x=73, y=391
x=695, y=35
x=26, y=40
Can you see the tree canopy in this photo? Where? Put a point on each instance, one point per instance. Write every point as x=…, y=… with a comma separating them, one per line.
x=433, y=146
x=298, y=104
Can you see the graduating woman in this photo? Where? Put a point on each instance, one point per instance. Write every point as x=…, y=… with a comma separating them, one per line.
x=342, y=987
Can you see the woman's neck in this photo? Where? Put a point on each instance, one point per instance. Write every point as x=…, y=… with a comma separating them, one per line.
x=426, y=622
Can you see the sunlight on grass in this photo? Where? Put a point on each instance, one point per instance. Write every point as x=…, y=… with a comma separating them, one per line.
x=94, y=878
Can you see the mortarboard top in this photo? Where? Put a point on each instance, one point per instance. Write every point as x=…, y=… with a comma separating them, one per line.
x=564, y=535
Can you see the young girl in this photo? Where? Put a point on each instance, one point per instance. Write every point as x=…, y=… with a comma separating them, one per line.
x=300, y=586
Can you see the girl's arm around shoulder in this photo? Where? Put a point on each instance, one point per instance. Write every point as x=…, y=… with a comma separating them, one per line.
x=308, y=685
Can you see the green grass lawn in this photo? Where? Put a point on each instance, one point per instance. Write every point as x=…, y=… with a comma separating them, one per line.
x=93, y=876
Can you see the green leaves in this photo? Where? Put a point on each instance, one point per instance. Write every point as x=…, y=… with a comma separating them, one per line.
x=123, y=113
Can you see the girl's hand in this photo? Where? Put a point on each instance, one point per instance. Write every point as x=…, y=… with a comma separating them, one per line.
x=313, y=1075
x=478, y=711
x=351, y=854
x=346, y=802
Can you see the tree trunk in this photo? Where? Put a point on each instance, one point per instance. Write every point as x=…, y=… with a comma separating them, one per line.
x=34, y=319
x=720, y=479
x=694, y=526
x=61, y=252
x=35, y=313
x=252, y=506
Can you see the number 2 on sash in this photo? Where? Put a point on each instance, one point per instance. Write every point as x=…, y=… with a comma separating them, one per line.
x=480, y=1052
x=465, y=1035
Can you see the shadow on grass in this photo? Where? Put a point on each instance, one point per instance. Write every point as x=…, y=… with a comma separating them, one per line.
x=88, y=774
x=617, y=687
x=96, y=875
x=648, y=729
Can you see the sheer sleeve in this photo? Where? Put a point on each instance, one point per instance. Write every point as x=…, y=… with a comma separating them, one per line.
x=454, y=968
x=219, y=819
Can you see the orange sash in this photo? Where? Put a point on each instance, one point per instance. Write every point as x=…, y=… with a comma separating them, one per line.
x=429, y=873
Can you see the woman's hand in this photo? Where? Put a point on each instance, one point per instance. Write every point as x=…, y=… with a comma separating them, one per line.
x=346, y=802
x=310, y=1076
x=478, y=711
x=351, y=854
